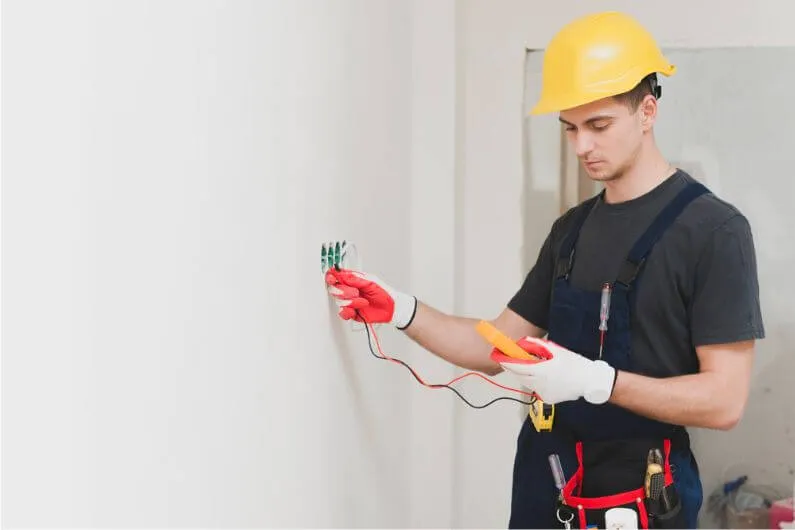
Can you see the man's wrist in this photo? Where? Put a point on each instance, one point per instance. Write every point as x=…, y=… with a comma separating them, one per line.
x=600, y=384
x=405, y=310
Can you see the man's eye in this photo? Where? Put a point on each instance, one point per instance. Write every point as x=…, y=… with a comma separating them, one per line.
x=601, y=126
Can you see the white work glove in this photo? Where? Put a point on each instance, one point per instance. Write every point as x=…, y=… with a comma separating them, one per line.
x=374, y=300
x=563, y=375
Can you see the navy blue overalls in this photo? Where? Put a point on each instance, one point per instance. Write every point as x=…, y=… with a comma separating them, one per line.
x=573, y=323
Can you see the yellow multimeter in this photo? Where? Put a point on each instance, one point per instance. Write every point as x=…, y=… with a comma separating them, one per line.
x=541, y=414
x=502, y=342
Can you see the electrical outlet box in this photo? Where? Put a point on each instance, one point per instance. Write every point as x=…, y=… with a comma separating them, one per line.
x=342, y=254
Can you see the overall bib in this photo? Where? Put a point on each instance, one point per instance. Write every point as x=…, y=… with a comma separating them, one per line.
x=602, y=448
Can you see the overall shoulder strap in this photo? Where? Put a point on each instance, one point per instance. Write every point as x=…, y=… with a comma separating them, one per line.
x=643, y=246
x=565, y=260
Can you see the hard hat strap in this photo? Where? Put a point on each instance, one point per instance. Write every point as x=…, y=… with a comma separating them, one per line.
x=656, y=89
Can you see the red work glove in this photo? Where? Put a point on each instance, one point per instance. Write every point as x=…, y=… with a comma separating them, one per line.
x=375, y=301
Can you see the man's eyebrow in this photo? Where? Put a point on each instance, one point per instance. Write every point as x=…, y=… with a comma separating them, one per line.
x=589, y=120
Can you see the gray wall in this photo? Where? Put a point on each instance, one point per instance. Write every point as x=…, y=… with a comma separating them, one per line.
x=727, y=117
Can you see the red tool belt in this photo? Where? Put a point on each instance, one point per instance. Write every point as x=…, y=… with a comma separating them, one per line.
x=612, y=475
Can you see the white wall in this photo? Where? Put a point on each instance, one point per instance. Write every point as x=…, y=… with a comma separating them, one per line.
x=170, y=354
x=433, y=264
x=500, y=235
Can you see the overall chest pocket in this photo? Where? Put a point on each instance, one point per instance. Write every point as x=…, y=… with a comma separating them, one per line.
x=570, y=326
x=574, y=319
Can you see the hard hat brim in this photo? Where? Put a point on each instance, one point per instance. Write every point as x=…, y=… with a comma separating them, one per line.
x=559, y=102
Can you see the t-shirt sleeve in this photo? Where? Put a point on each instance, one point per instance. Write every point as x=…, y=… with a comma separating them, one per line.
x=532, y=300
x=725, y=304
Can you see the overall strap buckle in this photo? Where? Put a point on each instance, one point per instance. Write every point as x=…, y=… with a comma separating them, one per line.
x=565, y=261
x=632, y=266
x=629, y=271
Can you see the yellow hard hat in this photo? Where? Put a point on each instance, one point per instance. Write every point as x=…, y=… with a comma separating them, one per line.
x=597, y=56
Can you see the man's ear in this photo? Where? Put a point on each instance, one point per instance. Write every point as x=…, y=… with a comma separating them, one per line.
x=648, y=112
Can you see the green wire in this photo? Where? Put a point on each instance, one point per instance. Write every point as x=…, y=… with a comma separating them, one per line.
x=333, y=255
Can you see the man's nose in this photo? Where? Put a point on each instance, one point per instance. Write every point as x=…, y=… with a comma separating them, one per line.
x=583, y=144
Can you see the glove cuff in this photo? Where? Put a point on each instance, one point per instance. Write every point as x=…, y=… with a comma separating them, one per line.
x=405, y=309
x=600, y=383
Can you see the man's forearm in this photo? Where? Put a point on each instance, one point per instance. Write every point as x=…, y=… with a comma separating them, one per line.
x=698, y=400
x=452, y=338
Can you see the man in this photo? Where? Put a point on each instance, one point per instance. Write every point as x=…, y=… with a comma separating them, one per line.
x=684, y=305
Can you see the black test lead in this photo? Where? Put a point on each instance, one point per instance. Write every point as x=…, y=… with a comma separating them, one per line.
x=604, y=314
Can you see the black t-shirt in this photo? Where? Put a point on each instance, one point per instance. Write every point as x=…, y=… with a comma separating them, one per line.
x=699, y=284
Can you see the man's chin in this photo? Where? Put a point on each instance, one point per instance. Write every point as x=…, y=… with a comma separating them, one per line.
x=600, y=175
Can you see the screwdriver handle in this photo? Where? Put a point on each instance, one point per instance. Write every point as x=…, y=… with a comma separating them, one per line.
x=604, y=309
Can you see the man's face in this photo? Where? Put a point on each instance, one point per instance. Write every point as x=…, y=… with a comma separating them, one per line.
x=606, y=136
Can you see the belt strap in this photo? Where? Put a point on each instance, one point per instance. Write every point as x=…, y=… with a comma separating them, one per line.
x=635, y=496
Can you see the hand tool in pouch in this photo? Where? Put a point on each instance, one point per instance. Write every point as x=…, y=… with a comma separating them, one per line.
x=655, y=478
x=542, y=415
x=662, y=503
x=563, y=512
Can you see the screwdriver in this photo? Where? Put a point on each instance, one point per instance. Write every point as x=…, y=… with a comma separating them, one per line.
x=604, y=314
x=557, y=471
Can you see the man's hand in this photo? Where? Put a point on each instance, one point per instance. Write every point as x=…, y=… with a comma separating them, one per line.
x=374, y=300
x=713, y=398
x=563, y=375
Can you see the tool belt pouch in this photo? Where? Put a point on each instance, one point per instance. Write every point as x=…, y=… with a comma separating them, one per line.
x=612, y=474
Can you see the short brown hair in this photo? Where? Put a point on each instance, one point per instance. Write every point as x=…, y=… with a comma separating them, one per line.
x=632, y=98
